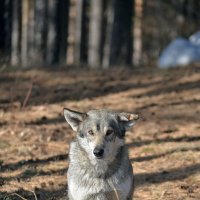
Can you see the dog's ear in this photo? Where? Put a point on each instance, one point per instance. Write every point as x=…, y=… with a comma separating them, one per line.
x=128, y=119
x=74, y=118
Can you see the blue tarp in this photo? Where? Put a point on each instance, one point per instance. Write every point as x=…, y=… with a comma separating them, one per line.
x=181, y=52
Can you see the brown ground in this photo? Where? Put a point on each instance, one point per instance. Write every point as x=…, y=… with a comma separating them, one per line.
x=164, y=146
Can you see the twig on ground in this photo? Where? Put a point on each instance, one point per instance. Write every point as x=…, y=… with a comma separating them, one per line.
x=16, y=195
x=27, y=96
x=34, y=195
x=21, y=196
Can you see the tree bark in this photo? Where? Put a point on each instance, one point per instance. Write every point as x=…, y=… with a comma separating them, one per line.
x=95, y=33
x=8, y=24
x=137, y=32
x=63, y=17
x=40, y=31
x=108, y=30
x=2, y=25
x=31, y=31
x=51, y=50
x=24, y=38
x=121, y=40
x=16, y=33
x=80, y=32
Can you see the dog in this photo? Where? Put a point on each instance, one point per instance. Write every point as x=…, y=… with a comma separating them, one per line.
x=99, y=166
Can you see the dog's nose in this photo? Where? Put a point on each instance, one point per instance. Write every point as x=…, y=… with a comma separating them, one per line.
x=98, y=152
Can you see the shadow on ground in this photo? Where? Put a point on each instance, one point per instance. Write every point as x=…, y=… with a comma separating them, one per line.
x=164, y=176
x=85, y=84
x=41, y=194
x=140, y=179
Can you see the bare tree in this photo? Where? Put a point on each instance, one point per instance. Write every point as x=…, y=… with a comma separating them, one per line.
x=95, y=33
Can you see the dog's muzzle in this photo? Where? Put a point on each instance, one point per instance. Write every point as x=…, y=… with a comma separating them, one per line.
x=98, y=152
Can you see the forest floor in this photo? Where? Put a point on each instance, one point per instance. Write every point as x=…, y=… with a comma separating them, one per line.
x=164, y=145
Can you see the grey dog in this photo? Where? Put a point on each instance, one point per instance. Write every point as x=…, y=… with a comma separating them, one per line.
x=99, y=166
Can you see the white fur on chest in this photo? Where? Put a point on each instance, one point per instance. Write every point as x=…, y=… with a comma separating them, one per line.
x=98, y=186
x=79, y=192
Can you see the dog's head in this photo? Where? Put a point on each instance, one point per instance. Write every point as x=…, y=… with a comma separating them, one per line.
x=100, y=132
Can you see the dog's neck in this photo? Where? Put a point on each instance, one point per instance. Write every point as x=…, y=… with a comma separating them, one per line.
x=99, y=168
x=108, y=169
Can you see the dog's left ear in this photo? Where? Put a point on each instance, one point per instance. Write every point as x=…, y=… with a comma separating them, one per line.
x=74, y=118
x=128, y=119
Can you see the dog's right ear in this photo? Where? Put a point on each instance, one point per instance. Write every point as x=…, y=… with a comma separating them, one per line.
x=74, y=118
x=128, y=119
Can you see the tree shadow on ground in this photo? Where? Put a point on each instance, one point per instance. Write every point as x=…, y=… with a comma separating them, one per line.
x=155, y=156
x=103, y=83
x=140, y=143
x=41, y=194
x=164, y=89
x=30, y=162
x=164, y=176
x=92, y=89
x=33, y=172
x=45, y=121
x=83, y=86
x=175, y=103
x=83, y=90
x=140, y=180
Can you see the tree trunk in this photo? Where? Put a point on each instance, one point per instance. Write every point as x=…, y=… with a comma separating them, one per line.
x=8, y=24
x=24, y=38
x=63, y=17
x=108, y=29
x=121, y=40
x=137, y=32
x=16, y=33
x=31, y=31
x=51, y=50
x=80, y=32
x=2, y=25
x=95, y=33
x=40, y=31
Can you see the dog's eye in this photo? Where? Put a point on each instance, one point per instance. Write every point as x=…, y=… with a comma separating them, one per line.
x=109, y=132
x=90, y=132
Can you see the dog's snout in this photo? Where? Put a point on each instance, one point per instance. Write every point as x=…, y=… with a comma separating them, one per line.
x=98, y=152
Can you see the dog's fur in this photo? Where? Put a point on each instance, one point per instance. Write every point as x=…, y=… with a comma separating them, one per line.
x=99, y=167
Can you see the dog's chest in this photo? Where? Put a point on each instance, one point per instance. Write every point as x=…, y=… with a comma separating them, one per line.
x=99, y=186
